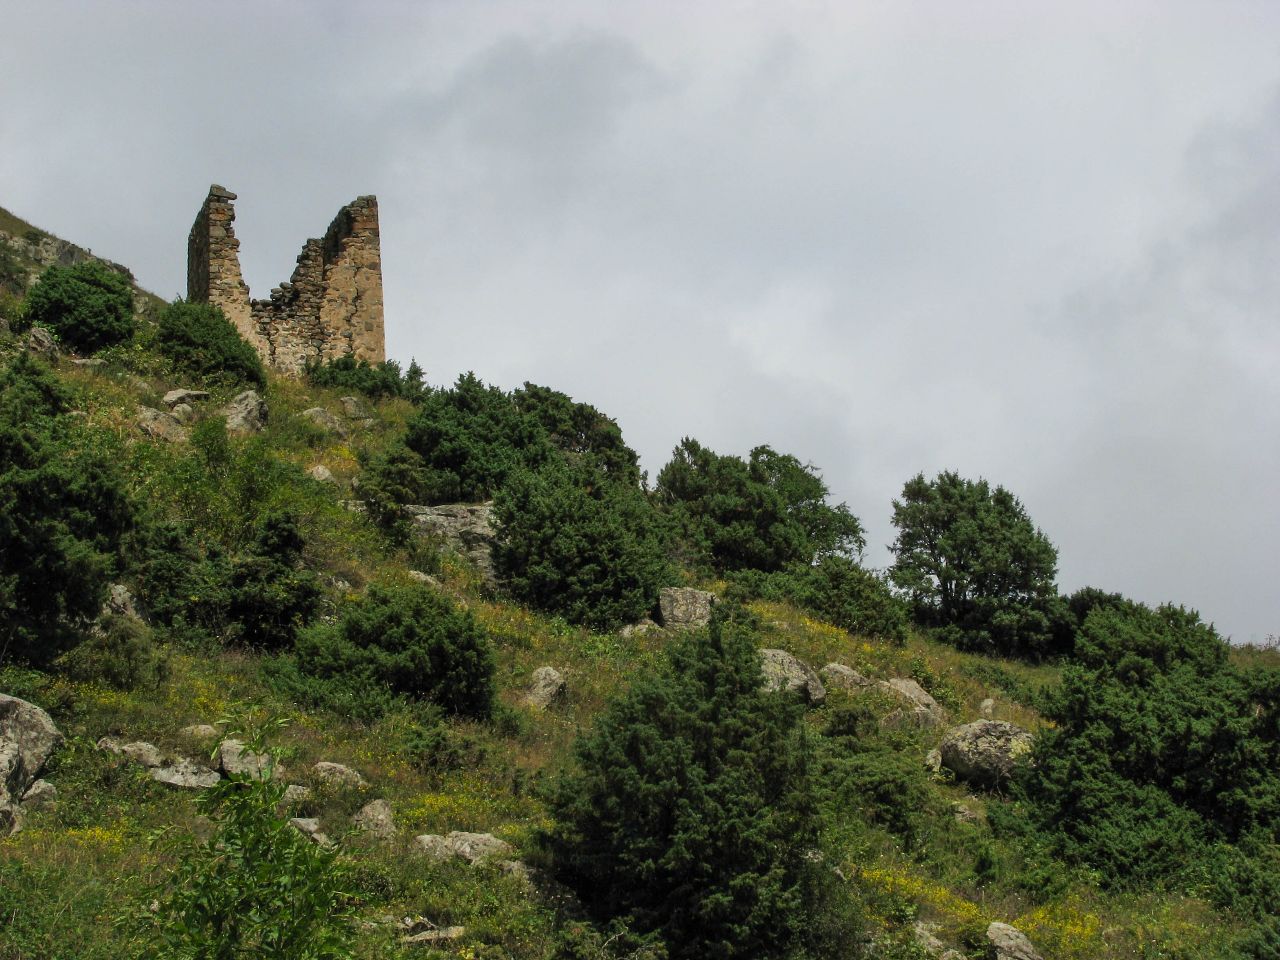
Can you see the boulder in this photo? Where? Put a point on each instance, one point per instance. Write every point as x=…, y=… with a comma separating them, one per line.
x=926, y=935
x=28, y=738
x=684, y=608
x=175, y=398
x=89, y=363
x=987, y=708
x=966, y=811
x=466, y=529
x=920, y=709
x=294, y=794
x=322, y=473
x=639, y=629
x=354, y=407
x=121, y=602
x=336, y=775
x=142, y=753
x=236, y=760
x=325, y=420
x=199, y=731
x=933, y=761
x=844, y=678
x=471, y=847
x=183, y=413
x=984, y=752
x=247, y=413
x=547, y=687
x=431, y=938
x=420, y=577
x=39, y=795
x=375, y=818
x=1010, y=943
x=782, y=671
x=186, y=775
x=41, y=342
x=159, y=425
x=309, y=827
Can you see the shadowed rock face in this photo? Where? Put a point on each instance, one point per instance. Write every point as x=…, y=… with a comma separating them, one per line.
x=332, y=305
x=782, y=671
x=683, y=608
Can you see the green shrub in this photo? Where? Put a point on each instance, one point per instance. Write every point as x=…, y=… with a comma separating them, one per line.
x=63, y=512
x=255, y=888
x=758, y=514
x=202, y=342
x=1159, y=748
x=119, y=652
x=397, y=642
x=181, y=581
x=835, y=589
x=975, y=566
x=88, y=305
x=377, y=381
x=690, y=811
x=570, y=544
x=270, y=595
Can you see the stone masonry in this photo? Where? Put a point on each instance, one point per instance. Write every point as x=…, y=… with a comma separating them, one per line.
x=329, y=308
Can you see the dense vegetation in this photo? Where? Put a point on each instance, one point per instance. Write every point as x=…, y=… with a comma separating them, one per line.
x=88, y=305
x=689, y=812
x=203, y=343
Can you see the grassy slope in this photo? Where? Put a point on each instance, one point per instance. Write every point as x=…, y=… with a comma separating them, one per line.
x=80, y=864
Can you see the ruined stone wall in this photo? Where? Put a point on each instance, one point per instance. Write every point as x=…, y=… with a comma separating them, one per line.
x=329, y=308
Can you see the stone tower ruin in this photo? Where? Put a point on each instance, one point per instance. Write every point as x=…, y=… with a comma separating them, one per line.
x=329, y=308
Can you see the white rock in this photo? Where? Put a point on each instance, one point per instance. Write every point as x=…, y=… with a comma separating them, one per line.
x=335, y=774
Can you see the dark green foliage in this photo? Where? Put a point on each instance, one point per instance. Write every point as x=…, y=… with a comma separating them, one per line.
x=181, y=582
x=580, y=431
x=88, y=305
x=1159, y=747
x=377, y=381
x=398, y=642
x=255, y=888
x=63, y=511
x=865, y=773
x=758, y=514
x=1262, y=942
x=202, y=342
x=464, y=444
x=574, y=544
x=119, y=652
x=691, y=810
x=13, y=278
x=470, y=439
x=835, y=589
x=270, y=595
x=974, y=565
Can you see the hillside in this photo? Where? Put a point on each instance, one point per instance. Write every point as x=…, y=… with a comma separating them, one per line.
x=923, y=861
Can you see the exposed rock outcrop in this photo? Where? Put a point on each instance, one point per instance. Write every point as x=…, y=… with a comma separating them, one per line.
x=984, y=752
x=471, y=847
x=159, y=425
x=28, y=738
x=336, y=775
x=1010, y=943
x=782, y=671
x=546, y=688
x=684, y=608
x=247, y=413
x=465, y=528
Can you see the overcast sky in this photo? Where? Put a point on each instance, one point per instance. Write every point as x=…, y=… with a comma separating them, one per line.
x=1037, y=243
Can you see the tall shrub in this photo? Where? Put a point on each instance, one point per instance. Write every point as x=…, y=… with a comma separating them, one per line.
x=203, y=343
x=88, y=305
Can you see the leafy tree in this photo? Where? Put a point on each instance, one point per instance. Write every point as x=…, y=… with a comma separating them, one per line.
x=63, y=511
x=758, y=514
x=1159, y=747
x=256, y=888
x=690, y=812
x=972, y=563
x=202, y=342
x=573, y=544
x=406, y=640
x=375, y=380
x=88, y=305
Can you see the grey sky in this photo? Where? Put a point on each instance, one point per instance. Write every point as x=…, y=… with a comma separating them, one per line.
x=1037, y=243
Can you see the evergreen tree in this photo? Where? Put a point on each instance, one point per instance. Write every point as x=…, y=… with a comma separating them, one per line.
x=690, y=812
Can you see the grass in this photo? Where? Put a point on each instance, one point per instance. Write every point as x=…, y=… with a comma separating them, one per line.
x=80, y=864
